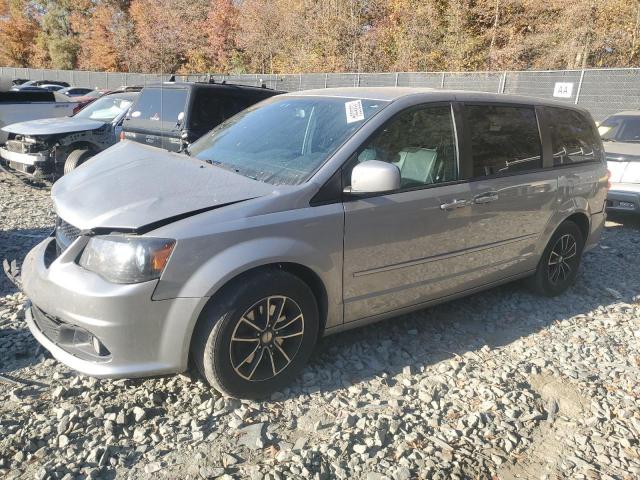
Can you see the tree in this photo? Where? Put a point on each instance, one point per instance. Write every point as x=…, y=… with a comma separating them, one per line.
x=165, y=32
x=58, y=42
x=18, y=30
x=99, y=49
x=221, y=26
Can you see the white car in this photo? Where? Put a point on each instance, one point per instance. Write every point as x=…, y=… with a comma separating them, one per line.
x=621, y=138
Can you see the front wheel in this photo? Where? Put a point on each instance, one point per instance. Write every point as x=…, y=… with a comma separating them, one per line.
x=75, y=159
x=257, y=335
x=558, y=267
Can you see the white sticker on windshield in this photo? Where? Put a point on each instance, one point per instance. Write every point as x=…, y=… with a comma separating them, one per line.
x=354, y=111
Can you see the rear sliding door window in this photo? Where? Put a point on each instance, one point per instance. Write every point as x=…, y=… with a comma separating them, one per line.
x=504, y=139
x=572, y=136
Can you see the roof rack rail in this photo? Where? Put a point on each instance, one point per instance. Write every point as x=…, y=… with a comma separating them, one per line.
x=213, y=81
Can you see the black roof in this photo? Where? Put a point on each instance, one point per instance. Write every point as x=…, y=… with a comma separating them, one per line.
x=221, y=85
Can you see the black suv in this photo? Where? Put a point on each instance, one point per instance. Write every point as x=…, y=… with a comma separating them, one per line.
x=173, y=115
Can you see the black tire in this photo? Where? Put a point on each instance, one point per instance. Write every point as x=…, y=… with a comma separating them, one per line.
x=558, y=267
x=76, y=158
x=238, y=312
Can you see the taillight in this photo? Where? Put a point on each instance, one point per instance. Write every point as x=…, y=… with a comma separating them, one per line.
x=121, y=136
x=77, y=108
x=608, y=179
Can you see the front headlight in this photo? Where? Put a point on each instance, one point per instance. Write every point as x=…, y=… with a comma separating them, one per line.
x=125, y=259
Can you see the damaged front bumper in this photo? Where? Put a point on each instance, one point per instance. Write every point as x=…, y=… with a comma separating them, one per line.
x=25, y=162
x=99, y=328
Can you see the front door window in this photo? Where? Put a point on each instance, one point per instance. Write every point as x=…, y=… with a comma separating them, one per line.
x=421, y=142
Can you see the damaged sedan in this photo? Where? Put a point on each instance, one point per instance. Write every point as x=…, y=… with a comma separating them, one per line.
x=55, y=146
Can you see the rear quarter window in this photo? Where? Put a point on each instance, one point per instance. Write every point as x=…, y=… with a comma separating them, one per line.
x=573, y=137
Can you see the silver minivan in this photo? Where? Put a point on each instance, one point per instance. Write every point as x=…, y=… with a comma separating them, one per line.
x=305, y=215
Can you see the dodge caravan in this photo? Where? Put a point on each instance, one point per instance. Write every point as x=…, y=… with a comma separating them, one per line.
x=304, y=215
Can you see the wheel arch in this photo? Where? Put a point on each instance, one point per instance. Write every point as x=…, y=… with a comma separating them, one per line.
x=583, y=221
x=304, y=273
x=82, y=145
x=579, y=216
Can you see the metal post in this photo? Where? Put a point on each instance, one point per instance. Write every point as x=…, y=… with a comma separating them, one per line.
x=326, y=77
x=442, y=81
x=396, y=79
x=358, y=80
x=503, y=82
x=579, y=86
x=300, y=84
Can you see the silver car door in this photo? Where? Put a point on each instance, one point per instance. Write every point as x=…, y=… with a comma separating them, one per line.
x=512, y=196
x=405, y=247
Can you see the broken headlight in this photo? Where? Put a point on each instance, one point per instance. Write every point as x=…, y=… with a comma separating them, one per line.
x=127, y=259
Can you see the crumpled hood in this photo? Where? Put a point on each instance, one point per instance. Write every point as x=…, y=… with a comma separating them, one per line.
x=130, y=186
x=52, y=126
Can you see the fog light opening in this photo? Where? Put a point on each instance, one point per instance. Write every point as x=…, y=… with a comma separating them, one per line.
x=98, y=347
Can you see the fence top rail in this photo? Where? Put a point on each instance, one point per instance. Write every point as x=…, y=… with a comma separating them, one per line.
x=476, y=72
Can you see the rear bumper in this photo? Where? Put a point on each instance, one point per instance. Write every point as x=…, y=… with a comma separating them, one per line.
x=71, y=306
x=620, y=199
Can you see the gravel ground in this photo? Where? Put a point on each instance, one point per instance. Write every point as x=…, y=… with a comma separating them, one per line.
x=503, y=384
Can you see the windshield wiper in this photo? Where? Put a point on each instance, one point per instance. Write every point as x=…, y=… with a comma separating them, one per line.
x=609, y=140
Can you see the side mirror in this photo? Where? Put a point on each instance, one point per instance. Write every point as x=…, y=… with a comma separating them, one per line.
x=374, y=176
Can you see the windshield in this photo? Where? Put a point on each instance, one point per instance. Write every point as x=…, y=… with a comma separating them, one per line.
x=621, y=129
x=284, y=140
x=105, y=109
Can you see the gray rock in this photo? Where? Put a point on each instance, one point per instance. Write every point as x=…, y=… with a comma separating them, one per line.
x=252, y=436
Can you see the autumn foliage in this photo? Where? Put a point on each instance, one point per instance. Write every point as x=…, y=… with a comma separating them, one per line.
x=290, y=36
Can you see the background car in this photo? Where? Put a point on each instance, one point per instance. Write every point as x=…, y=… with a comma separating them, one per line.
x=38, y=83
x=58, y=145
x=173, y=115
x=52, y=87
x=75, y=91
x=23, y=105
x=621, y=138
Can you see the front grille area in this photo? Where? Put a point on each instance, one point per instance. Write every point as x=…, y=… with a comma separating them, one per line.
x=16, y=146
x=65, y=234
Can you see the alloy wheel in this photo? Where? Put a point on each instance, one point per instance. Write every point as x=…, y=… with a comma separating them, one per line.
x=562, y=259
x=266, y=338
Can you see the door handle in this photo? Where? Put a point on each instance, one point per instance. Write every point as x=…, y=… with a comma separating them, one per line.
x=486, y=197
x=454, y=204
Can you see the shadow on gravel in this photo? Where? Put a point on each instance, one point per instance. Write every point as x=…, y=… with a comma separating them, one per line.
x=25, y=350
x=626, y=220
x=14, y=245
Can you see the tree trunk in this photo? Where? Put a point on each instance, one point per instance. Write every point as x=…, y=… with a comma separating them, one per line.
x=496, y=19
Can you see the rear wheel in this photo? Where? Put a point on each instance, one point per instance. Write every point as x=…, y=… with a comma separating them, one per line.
x=76, y=158
x=558, y=267
x=256, y=336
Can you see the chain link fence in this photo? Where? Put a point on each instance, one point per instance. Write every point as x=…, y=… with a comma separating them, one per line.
x=601, y=91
